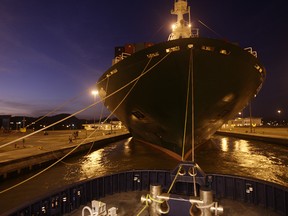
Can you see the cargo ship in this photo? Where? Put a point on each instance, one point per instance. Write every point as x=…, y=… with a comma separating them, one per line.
x=175, y=94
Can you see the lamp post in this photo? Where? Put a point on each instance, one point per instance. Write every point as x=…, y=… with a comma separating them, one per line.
x=94, y=93
x=279, y=117
x=241, y=120
x=250, y=113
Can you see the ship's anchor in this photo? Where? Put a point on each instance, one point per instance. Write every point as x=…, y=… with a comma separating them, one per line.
x=172, y=204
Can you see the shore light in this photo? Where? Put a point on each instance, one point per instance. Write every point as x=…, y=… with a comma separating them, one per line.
x=94, y=93
x=279, y=111
x=173, y=26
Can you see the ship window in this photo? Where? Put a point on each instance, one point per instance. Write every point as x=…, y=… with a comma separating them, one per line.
x=258, y=68
x=224, y=52
x=207, y=48
x=112, y=72
x=172, y=49
x=139, y=115
x=228, y=98
x=152, y=55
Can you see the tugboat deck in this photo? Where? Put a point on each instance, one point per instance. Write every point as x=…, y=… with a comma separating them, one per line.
x=128, y=204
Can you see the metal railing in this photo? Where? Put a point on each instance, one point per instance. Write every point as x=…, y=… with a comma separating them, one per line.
x=251, y=51
x=120, y=58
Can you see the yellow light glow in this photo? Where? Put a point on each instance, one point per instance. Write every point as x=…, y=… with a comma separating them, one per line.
x=224, y=144
x=279, y=111
x=94, y=92
x=242, y=145
x=173, y=26
x=93, y=163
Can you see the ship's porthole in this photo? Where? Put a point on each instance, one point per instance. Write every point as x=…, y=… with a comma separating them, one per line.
x=172, y=49
x=208, y=48
x=225, y=52
x=228, y=98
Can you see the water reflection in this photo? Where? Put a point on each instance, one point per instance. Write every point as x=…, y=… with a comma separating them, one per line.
x=254, y=159
x=242, y=145
x=222, y=155
x=91, y=164
x=119, y=156
x=237, y=145
x=127, y=149
x=224, y=144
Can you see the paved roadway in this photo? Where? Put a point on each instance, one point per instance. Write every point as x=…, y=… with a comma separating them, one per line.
x=40, y=143
x=269, y=131
x=273, y=132
x=55, y=140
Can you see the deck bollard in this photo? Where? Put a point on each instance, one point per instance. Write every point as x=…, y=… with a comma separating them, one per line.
x=205, y=204
x=157, y=206
x=201, y=205
x=155, y=190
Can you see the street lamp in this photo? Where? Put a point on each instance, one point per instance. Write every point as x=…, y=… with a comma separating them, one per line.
x=94, y=93
x=279, y=113
x=241, y=119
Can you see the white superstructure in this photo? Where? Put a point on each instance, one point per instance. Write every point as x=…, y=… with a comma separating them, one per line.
x=182, y=28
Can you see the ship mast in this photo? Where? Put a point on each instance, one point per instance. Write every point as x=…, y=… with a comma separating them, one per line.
x=182, y=28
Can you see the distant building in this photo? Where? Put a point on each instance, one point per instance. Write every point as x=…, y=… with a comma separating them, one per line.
x=5, y=122
x=243, y=122
x=113, y=125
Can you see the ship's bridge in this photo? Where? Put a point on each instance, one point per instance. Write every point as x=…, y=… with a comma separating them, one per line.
x=182, y=28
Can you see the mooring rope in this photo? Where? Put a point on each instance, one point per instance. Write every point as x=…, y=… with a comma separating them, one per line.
x=127, y=94
x=186, y=114
x=173, y=182
x=189, y=80
x=135, y=82
x=191, y=71
x=205, y=25
x=45, y=169
x=146, y=205
x=76, y=113
x=87, y=107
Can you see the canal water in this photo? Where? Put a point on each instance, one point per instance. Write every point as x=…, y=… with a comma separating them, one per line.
x=223, y=155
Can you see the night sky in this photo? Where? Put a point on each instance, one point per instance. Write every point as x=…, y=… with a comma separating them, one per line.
x=52, y=52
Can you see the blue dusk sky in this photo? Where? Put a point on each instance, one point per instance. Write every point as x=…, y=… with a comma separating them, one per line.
x=52, y=52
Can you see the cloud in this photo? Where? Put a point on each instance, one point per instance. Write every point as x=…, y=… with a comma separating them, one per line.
x=14, y=108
